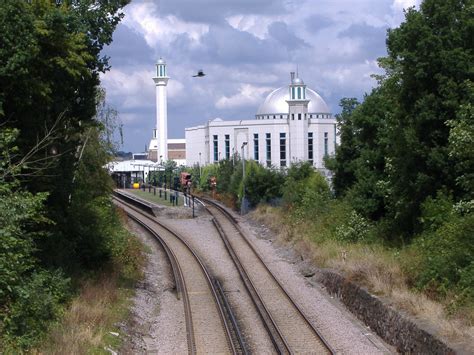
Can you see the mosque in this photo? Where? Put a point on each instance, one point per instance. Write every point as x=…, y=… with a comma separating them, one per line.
x=293, y=124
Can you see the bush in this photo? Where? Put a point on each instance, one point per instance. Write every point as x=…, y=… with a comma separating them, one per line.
x=261, y=184
x=302, y=180
x=38, y=301
x=446, y=256
x=356, y=229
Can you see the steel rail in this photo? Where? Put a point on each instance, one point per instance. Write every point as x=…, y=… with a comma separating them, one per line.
x=179, y=280
x=234, y=222
x=274, y=332
x=208, y=277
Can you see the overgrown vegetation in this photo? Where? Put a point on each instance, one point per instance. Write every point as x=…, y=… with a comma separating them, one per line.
x=57, y=223
x=403, y=185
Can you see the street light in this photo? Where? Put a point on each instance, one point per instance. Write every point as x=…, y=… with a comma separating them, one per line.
x=200, y=166
x=242, y=209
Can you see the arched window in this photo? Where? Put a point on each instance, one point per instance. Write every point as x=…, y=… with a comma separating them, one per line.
x=299, y=93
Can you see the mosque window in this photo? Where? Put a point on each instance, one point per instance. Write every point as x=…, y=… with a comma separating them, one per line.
x=227, y=146
x=255, y=146
x=274, y=117
x=299, y=116
x=304, y=93
x=325, y=143
x=293, y=116
x=310, y=147
x=282, y=149
x=310, y=116
x=215, y=141
x=269, y=149
x=299, y=93
x=292, y=92
x=281, y=116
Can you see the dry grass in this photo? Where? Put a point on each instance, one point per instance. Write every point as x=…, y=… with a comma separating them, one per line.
x=374, y=267
x=91, y=316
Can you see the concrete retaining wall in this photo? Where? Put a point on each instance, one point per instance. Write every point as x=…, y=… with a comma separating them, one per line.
x=395, y=328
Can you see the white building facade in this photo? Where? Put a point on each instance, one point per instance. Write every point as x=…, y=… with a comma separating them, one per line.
x=293, y=124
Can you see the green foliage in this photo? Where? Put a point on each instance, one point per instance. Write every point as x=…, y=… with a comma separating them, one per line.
x=56, y=214
x=206, y=173
x=446, y=256
x=356, y=229
x=461, y=146
x=38, y=301
x=396, y=148
x=261, y=184
x=303, y=183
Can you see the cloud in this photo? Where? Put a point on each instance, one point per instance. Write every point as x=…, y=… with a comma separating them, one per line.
x=246, y=47
x=129, y=48
x=225, y=44
x=144, y=18
x=248, y=95
x=280, y=32
x=215, y=11
x=315, y=23
x=370, y=40
x=404, y=4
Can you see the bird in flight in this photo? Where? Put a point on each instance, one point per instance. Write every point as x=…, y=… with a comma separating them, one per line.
x=199, y=74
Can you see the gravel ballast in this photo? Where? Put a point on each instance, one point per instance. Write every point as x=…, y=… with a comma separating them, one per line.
x=157, y=325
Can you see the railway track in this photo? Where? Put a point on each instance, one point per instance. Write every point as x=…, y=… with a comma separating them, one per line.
x=210, y=324
x=291, y=331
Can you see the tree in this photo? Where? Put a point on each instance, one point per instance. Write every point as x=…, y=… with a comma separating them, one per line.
x=341, y=164
x=461, y=147
x=432, y=55
x=395, y=150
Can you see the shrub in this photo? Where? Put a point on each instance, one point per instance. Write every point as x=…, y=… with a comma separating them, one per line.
x=38, y=301
x=446, y=256
x=356, y=229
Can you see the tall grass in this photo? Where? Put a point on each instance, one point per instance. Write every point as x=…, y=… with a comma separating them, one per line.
x=102, y=302
x=378, y=268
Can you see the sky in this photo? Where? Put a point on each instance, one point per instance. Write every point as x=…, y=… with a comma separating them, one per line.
x=247, y=48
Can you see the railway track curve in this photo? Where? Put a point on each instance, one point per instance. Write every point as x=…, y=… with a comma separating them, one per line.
x=210, y=324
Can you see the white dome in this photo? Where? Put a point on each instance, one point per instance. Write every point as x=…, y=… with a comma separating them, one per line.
x=275, y=103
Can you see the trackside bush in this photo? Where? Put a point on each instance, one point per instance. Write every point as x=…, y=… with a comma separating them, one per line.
x=37, y=302
x=446, y=255
x=356, y=229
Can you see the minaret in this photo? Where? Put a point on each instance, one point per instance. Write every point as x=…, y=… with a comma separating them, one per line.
x=161, y=130
x=297, y=119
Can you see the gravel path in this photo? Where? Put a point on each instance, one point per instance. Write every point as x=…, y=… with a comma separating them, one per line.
x=157, y=324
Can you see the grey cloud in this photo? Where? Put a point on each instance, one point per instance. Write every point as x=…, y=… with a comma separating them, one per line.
x=316, y=23
x=128, y=48
x=227, y=45
x=280, y=32
x=372, y=39
x=215, y=11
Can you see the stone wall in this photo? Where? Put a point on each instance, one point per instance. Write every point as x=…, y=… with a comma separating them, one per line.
x=392, y=326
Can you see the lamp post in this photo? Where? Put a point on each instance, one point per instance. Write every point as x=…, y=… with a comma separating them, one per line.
x=200, y=172
x=242, y=209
